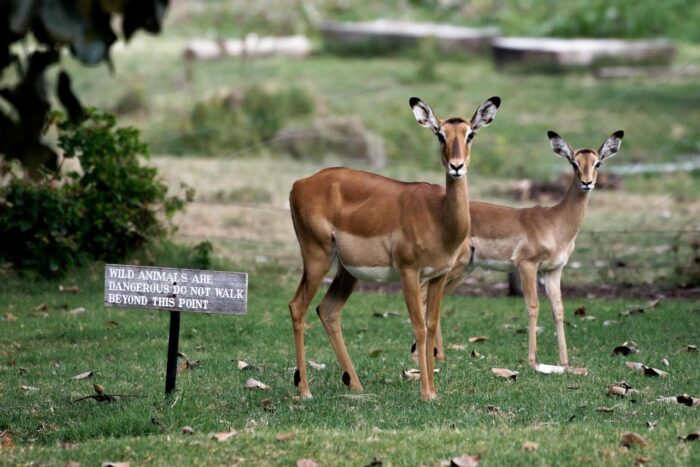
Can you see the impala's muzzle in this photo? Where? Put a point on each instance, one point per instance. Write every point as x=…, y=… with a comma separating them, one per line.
x=587, y=186
x=457, y=170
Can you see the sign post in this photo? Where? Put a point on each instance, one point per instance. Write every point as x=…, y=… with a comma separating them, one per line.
x=175, y=290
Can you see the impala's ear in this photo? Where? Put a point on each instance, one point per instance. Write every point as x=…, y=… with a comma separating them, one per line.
x=486, y=112
x=424, y=114
x=560, y=146
x=611, y=145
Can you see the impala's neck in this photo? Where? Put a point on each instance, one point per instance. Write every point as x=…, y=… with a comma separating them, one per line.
x=456, y=210
x=572, y=209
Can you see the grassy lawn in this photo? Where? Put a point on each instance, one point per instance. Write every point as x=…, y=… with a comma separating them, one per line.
x=126, y=349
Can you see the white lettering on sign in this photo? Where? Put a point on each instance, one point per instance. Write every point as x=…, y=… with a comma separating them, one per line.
x=176, y=289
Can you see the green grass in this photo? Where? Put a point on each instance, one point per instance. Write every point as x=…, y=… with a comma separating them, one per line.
x=387, y=421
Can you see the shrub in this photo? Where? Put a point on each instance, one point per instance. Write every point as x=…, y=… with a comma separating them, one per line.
x=222, y=125
x=106, y=212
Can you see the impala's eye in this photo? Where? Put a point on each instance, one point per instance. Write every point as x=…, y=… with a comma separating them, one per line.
x=597, y=164
x=441, y=137
x=470, y=137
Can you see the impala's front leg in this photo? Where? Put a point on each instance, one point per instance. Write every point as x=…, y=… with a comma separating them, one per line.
x=552, y=283
x=435, y=289
x=416, y=312
x=528, y=277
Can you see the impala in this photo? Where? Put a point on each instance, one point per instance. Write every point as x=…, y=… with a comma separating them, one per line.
x=378, y=229
x=532, y=240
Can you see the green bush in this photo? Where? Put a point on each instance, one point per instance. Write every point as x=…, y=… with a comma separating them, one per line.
x=106, y=212
x=222, y=125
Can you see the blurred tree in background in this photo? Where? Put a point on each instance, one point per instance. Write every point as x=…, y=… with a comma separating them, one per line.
x=45, y=27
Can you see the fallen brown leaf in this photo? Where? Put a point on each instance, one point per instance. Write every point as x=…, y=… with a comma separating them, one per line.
x=83, y=375
x=580, y=311
x=475, y=354
x=9, y=315
x=694, y=436
x=690, y=348
x=646, y=370
x=115, y=464
x=493, y=409
x=580, y=371
x=632, y=311
x=386, y=314
x=98, y=388
x=685, y=399
x=457, y=346
x=665, y=361
x=317, y=366
x=641, y=460
x=605, y=410
x=41, y=307
x=530, y=446
x=465, y=461
x=24, y=387
x=77, y=311
x=630, y=439
x=6, y=441
x=505, y=373
x=653, y=303
x=224, y=435
x=252, y=383
x=306, y=463
x=626, y=348
x=622, y=389
x=609, y=322
x=474, y=339
x=286, y=436
x=187, y=430
x=415, y=374
x=69, y=288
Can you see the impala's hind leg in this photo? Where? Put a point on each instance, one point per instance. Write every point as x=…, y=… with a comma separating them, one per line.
x=528, y=277
x=316, y=265
x=329, y=312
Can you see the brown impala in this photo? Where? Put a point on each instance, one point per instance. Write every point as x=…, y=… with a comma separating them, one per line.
x=534, y=239
x=375, y=228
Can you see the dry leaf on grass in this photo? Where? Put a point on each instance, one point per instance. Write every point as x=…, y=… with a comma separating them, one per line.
x=505, y=373
x=41, y=307
x=646, y=370
x=609, y=322
x=465, y=461
x=115, y=464
x=6, y=441
x=665, y=361
x=317, y=366
x=69, y=288
x=415, y=374
x=306, y=463
x=653, y=303
x=621, y=389
x=187, y=430
x=286, y=436
x=530, y=446
x=252, y=383
x=694, y=436
x=386, y=314
x=626, y=348
x=630, y=439
x=24, y=387
x=457, y=346
x=474, y=339
x=98, y=388
x=111, y=324
x=9, y=316
x=83, y=375
x=632, y=311
x=689, y=348
x=224, y=435
x=245, y=366
x=474, y=354
x=652, y=424
x=77, y=311
x=605, y=410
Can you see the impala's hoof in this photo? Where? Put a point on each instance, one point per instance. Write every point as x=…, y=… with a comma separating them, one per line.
x=431, y=396
x=305, y=394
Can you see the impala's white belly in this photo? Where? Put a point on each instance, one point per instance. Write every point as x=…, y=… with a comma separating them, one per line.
x=374, y=273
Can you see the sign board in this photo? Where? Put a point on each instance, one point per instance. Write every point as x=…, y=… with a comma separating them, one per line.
x=176, y=289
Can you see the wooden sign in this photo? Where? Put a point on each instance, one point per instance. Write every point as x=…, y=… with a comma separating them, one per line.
x=175, y=289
